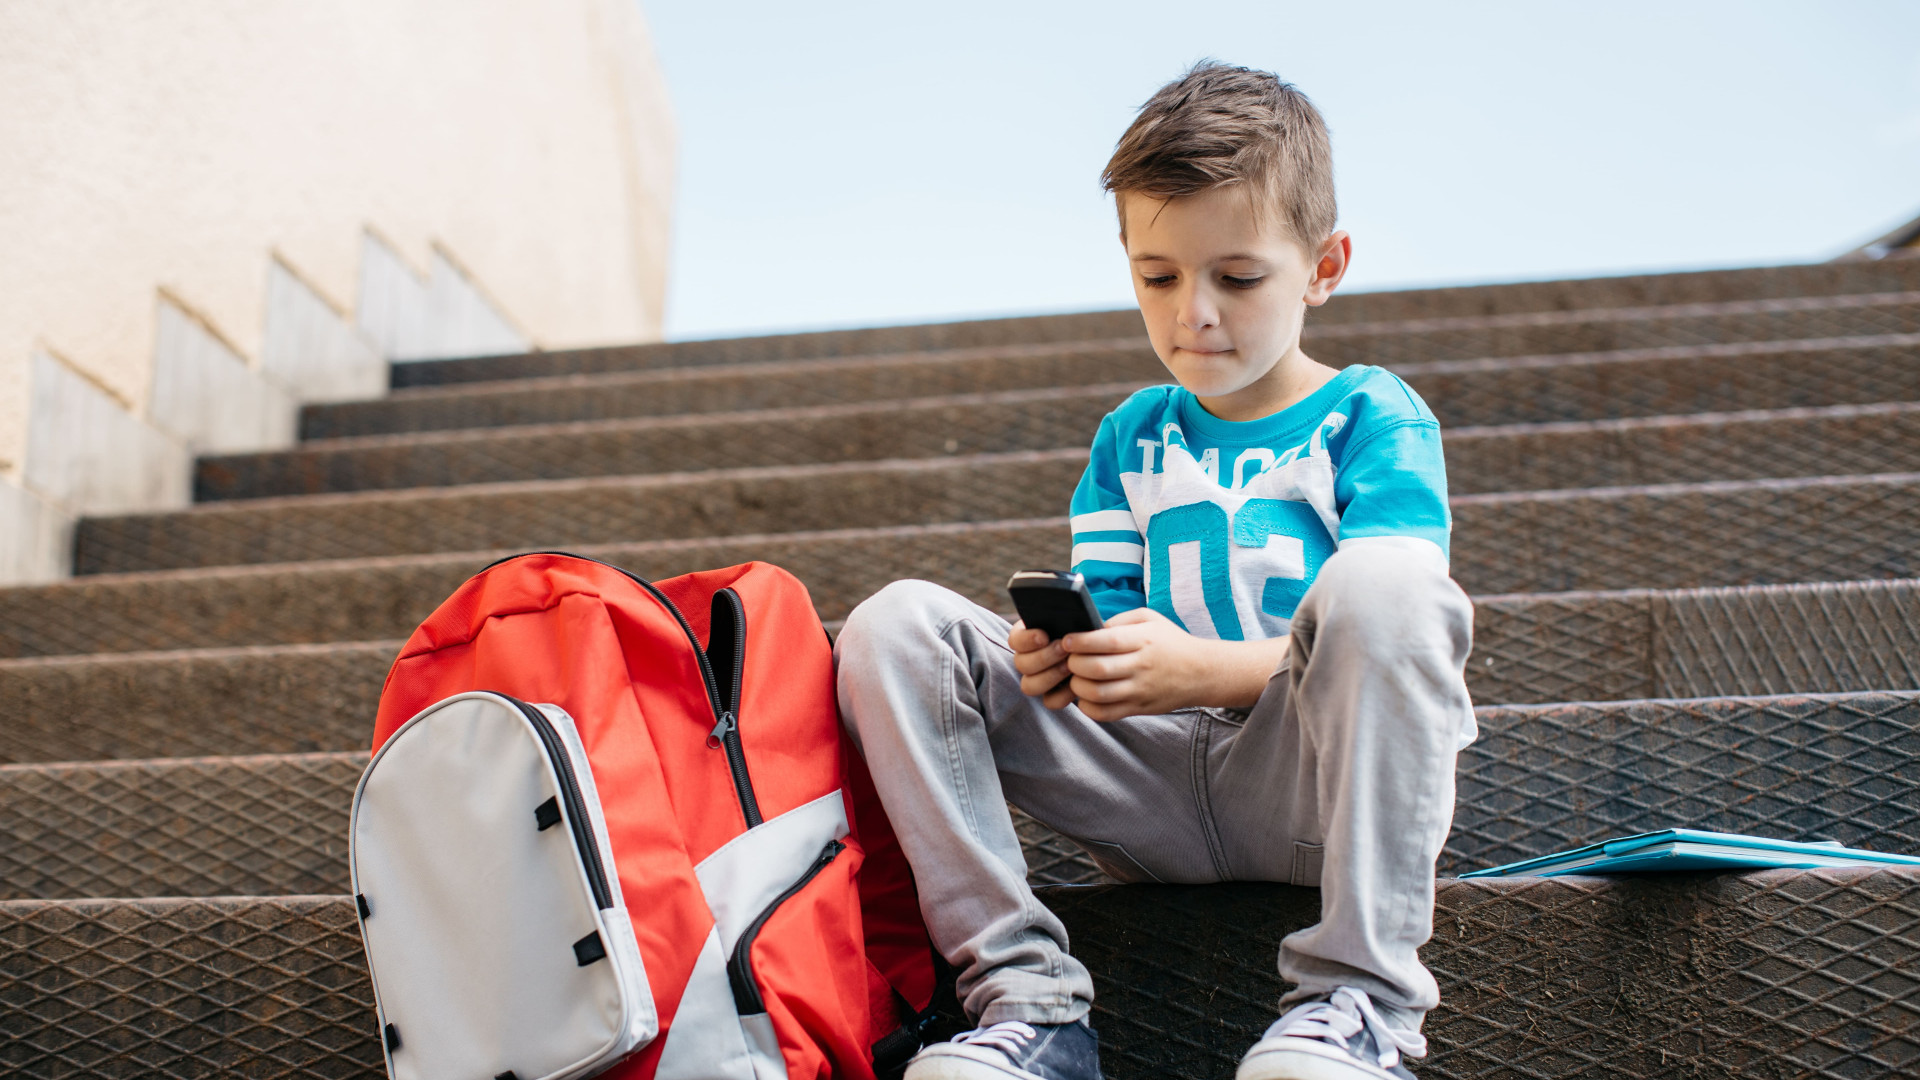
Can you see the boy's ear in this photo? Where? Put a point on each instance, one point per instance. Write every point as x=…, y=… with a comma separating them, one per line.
x=1329, y=267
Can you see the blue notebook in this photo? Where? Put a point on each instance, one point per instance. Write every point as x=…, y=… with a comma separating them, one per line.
x=1688, y=849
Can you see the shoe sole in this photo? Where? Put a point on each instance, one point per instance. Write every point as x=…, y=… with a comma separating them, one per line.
x=947, y=1062
x=1307, y=1062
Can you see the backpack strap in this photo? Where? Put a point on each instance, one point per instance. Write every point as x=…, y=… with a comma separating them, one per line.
x=892, y=1053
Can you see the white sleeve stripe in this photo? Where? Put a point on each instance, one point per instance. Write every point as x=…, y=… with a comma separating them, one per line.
x=1105, y=521
x=1110, y=551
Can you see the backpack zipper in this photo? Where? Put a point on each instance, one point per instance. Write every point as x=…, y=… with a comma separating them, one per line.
x=726, y=723
x=746, y=992
x=726, y=729
x=576, y=804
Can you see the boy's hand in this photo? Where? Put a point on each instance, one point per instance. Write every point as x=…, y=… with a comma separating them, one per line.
x=1042, y=664
x=1142, y=664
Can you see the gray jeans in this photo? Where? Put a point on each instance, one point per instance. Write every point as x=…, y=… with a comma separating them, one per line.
x=1341, y=776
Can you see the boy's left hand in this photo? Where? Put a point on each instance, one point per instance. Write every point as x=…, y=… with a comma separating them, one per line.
x=1141, y=664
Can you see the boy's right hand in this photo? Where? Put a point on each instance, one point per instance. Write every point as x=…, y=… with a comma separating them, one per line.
x=1042, y=664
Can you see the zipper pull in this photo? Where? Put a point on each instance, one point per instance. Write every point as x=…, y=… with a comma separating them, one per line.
x=722, y=729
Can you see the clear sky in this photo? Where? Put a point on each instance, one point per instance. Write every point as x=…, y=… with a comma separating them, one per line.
x=849, y=164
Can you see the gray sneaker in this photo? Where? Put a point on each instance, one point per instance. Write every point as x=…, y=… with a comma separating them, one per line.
x=1011, y=1050
x=1340, y=1037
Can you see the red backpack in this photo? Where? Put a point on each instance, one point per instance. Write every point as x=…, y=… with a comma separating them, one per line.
x=588, y=842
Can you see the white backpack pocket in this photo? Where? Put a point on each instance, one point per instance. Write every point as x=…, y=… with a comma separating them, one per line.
x=496, y=936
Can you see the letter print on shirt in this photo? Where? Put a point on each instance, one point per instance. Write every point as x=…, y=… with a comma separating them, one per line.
x=1231, y=546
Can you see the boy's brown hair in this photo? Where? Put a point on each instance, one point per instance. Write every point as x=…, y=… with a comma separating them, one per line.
x=1219, y=125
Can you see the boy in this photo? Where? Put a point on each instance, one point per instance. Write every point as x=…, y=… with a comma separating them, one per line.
x=1278, y=692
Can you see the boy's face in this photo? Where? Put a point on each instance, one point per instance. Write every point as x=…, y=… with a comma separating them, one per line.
x=1224, y=298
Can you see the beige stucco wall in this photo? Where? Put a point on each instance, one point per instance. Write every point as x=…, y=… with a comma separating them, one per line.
x=151, y=145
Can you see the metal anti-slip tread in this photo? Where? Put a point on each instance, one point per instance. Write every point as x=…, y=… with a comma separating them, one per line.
x=1392, y=344
x=1811, y=973
x=823, y=344
x=1543, y=779
x=601, y=510
x=1686, y=643
x=263, y=825
x=1049, y=418
x=1691, y=643
x=285, y=699
x=595, y=510
x=1712, y=446
x=1688, y=535
x=1555, y=647
x=1780, y=973
x=336, y=600
x=1662, y=536
x=1548, y=778
x=1523, y=389
x=1388, y=342
x=1786, y=283
x=1836, y=440
x=769, y=385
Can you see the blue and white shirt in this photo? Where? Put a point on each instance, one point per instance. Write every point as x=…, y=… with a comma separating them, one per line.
x=1221, y=526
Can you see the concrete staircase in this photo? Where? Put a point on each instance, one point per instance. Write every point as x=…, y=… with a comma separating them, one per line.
x=1688, y=508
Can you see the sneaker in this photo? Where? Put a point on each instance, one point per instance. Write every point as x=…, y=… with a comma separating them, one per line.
x=1011, y=1050
x=1340, y=1037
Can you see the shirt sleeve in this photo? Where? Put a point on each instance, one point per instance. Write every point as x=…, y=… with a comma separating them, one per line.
x=1107, y=549
x=1394, y=483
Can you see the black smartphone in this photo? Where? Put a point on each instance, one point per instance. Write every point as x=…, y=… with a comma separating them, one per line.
x=1056, y=601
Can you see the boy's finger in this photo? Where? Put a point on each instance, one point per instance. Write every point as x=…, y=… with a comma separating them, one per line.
x=1101, y=666
x=1059, y=699
x=1044, y=681
x=1102, y=692
x=1021, y=639
x=1026, y=663
x=1112, y=639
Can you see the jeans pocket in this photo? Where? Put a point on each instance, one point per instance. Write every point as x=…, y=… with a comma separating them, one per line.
x=1307, y=860
x=1114, y=861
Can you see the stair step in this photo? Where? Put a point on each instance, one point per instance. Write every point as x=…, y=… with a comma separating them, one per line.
x=1675, y=536
x=285, y=699
x=1053, y=418
x=1862, y=370
x=1813, y=967
x=1811, y=767
x=1665, y=536
x=1838, y=440
x=386, y=598
x=1780, y=973
x=1766, y=283
x=1688, y=643
x=570, y=513
x=1663, y=381
x=288, y=603
x=1713, y=446
x=811, y=345
x=1548, y=778
x=772, y=385
x=1479, y=338
x=214, y=826
x=1696, y=643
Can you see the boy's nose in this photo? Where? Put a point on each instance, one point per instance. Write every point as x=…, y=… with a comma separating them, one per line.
x=1197, y=311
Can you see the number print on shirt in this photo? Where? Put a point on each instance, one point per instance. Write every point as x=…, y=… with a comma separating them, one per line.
x=1257, y=524
x=1264, y=521
x=1206, y=523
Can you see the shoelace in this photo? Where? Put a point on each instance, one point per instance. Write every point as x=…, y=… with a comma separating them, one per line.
x=1010, y=1037
x=1341, y=1017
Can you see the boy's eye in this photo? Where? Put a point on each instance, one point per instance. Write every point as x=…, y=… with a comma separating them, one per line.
x=1160, y=281
x=1241, y=282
